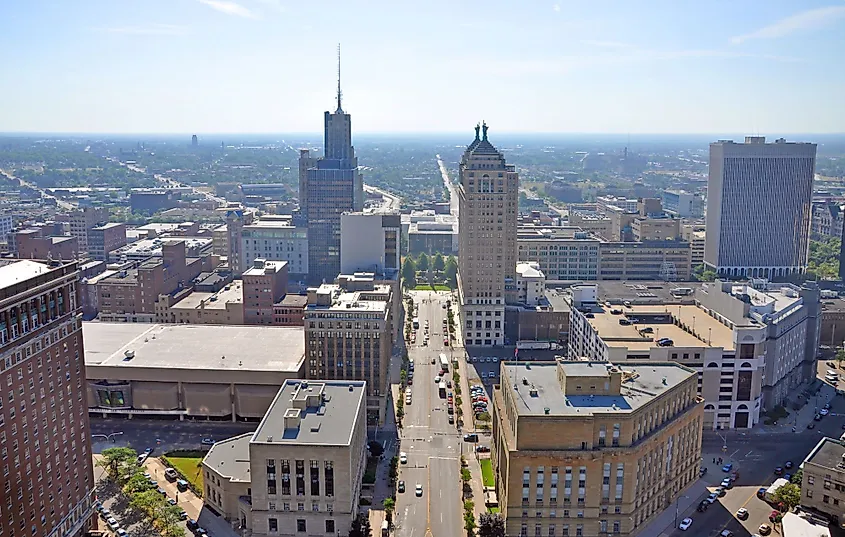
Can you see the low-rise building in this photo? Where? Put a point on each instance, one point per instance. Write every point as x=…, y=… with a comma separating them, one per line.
x=265, y=283
x=430, y=232
x=104, y=238
x=530, y=283
x=275, y=238
x=592, y=448
x=177, y=371
x=225, y=306
x=751, y=347
x=563, y=253
x=695, y=235
x=144, y=249
x=369, y=242
x=290, y=311
x=823, y=480
x=300, y=472
x=650, y=260
x=33, y=244
x=349, y=336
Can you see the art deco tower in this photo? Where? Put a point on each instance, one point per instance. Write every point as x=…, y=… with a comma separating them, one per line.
x=488, y=195
x=328, y=187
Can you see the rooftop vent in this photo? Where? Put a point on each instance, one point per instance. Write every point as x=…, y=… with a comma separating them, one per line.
x=351, y=387
x=292, y=418
x=615, y=407
x=524, y=381
x=546, y=411
x=128, y=355
x=533, y=392
x=664, y=381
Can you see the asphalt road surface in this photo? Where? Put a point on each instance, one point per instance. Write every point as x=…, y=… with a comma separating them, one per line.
x=433, y=445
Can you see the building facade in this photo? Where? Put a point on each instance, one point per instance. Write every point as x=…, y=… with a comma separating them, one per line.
x=651, y=260
x=237, y=218
x=84, y=220
x=265, y=283
x=349, y=336
x=683, y=204
x=369, y=242
x=276, y=238
x=290, y=311
x=48, y=479
x=759, y=207
x=300, y=473
x=104, y=238
x=564, y=253
x=328, y=187
x=591, y=448
x=488, y=194
x=823, y=480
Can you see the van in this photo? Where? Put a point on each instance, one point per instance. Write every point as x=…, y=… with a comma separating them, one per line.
x=181, y=485
x=385, y=529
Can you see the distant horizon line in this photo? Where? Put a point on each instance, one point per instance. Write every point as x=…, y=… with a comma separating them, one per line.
x=404, y=133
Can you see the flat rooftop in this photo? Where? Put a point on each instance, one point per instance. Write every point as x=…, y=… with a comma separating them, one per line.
x=709, y=332
x=230, y=458
x=232, y=293
x=828, y=454
x=331, y=421
x=644, y=292
x=182, y=346
x=641, y=384
x=352, y=301
x=17, y=271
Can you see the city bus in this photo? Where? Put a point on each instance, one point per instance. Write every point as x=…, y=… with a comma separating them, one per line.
x=444, y=362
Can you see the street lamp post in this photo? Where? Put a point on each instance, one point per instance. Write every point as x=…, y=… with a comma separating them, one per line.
x=678, y=499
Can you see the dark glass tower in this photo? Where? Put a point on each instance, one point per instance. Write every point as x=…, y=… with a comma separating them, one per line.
x=328, y=187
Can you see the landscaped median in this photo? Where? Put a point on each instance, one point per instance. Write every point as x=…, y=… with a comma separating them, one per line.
x=188, y=464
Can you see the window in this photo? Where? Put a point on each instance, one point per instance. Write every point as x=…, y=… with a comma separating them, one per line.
x=273, y=524
x=329, y=526
x=300, y=525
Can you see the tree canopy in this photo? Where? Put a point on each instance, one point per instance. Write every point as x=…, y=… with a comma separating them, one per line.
x=423, y=261
x=119, y=463
x=789, y=495
x=451, y=270
x=409, y=273
x=491, y=525
x=438, y=263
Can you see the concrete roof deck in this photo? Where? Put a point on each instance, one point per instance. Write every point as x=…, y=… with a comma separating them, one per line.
x=646, y=383
x=827, y=453
x=17, y=271
x=209, y=347
x=332, y=423
x=230, y=458
x=234, y=294
x=617, y=335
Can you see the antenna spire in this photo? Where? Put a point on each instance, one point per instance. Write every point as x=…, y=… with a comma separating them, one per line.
x=339, y=93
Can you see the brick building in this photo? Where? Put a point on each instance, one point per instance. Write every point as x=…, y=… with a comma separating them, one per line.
x=104, y=238
x=290, y=311
x=33, y=244
x=47, y=484
x=265, y=283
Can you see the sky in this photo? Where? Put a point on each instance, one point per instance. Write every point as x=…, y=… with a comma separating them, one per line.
x=524, y=66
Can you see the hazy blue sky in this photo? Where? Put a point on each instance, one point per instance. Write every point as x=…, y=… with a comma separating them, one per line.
x=437, y=66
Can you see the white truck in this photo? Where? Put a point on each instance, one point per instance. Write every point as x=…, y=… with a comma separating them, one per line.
x=770, y=492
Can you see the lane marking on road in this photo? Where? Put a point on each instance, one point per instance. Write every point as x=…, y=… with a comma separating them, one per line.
x=749, y=453
x=733, y=454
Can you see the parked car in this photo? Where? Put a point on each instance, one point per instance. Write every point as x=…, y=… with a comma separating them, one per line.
x=728, y=467
x=170, y=474
x=482, y=449
x=764, y=529
x=779, y=471
x=207, y=441
x=812, y=425
x=685, y=524
x=742, y=513
x=401, y=486
x=192, y=524
x=113, y=524
x=471, y=437
x=403, y=458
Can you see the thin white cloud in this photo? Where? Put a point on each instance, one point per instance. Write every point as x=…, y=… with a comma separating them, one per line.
x=229, y=8
x=150, y=29
x=806, y=20
x=605, y=44
x=556, y=8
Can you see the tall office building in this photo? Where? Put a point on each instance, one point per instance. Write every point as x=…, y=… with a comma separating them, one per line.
x=487, y=234
x=328, y=187
x=47, y=478
x=759, y=207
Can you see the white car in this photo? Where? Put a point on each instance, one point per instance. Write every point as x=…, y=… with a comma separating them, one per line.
x=685, y=524
x=403, y=458
x=437, y=379
x=112, y=523
x=407, y=400
x=408, y=391
x=824, y=412
x=418, y=490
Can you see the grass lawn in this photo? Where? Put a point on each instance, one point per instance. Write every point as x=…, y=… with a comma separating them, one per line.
x=493, y=510
x=435, y=287
x=487, y=472
x=191, y=468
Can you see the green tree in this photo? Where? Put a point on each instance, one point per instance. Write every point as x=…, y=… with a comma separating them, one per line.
x=789, y=495
x=119, y=462
x=409, y=273
x=466, y=475
x=147, y=502
x=797, y=477
x=840, y=357
x=361, y=527
x=389, y=506
x=136, y=483
x=439, y=263
x=491, y=525
x=451, y=270
x=168, y=521
x=423, y=262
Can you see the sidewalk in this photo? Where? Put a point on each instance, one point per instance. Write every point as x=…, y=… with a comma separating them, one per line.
x=468, y=449
x=687, y=503
x=812, y=396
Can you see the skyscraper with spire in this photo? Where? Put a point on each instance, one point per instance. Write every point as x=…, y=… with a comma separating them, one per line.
x=488, y=196
x=329, y=186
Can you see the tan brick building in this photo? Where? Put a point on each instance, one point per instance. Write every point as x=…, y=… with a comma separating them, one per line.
x=823, y=484
x=349, y=335
x=588, y=448
x=300, y=472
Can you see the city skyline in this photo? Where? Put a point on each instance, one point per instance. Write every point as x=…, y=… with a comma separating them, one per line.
x=232, y=67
